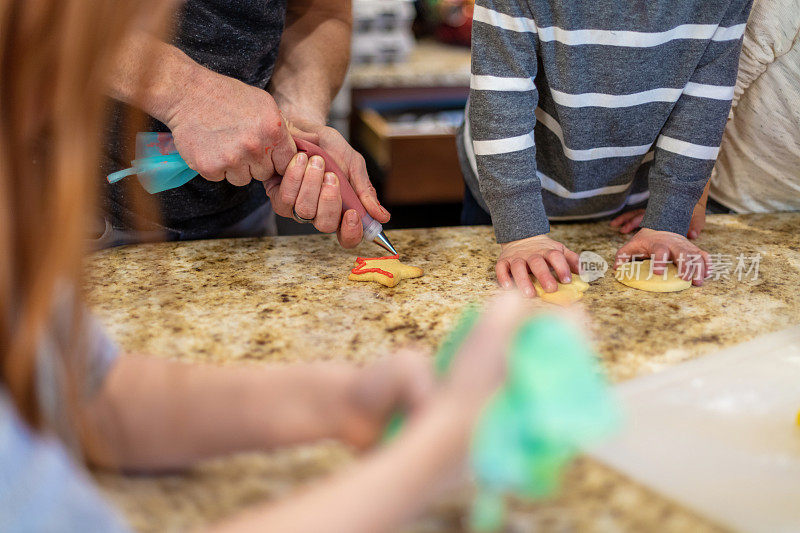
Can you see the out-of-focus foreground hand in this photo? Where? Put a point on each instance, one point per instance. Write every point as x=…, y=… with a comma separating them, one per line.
x=480, y=366
x=401, y=382
x=405, y=381
x=535, y=255
x=663, y=247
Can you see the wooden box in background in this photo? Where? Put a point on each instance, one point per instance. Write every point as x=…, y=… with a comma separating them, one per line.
x=416, y=167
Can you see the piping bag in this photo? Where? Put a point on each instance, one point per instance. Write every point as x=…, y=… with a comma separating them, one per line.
x=554, y=402
x=160, y=167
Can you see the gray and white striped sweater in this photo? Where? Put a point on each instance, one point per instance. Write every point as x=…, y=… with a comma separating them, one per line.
x=577, y=108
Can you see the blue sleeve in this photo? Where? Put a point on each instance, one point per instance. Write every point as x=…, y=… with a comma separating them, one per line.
x=41, y=488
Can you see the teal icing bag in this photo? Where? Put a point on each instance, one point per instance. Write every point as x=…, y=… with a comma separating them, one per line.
x=554, y=402
x=158, y=164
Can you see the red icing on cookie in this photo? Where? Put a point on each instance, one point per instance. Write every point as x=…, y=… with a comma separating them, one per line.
x=361, y=262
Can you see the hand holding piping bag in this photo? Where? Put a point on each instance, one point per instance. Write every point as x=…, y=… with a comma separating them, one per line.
x=333, y=210
x=305, y=185
x=353, y=168
x=552, y=401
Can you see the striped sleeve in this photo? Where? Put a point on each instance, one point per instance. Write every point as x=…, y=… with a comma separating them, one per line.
x=501, y=117
x=688, y=144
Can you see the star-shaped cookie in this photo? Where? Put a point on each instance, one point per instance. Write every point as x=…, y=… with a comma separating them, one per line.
x=387, y=270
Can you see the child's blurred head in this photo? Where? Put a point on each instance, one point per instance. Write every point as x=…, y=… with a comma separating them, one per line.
x=55, y=56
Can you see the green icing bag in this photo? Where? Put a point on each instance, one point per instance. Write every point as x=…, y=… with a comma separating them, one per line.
x=555, y=400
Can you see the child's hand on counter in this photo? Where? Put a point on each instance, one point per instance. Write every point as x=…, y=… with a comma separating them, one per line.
x=631, y=220
x=628, y=221
x=535, y=255
x=663, y=247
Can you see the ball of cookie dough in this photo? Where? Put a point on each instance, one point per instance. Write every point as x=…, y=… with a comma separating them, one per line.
x=638, y=275
x=567, y=293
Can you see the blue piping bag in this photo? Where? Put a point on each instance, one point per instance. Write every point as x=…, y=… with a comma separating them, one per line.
x=158, y=164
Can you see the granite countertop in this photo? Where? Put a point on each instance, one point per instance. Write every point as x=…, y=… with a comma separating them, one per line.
x=430, y=64
x=288, y=299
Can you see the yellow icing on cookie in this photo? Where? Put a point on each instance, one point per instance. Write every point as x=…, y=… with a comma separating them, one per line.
x=566, y=294
x=388, y=271
x=638, y=275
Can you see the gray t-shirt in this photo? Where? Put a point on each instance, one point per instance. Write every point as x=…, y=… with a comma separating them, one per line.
x=97, y=352
x=237, y=38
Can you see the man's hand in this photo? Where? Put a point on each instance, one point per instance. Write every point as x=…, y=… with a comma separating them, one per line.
x=631, y=220
x=311, y=66
x=228, y=130
x=536, y=255
x=664, y=246
x=314, y=194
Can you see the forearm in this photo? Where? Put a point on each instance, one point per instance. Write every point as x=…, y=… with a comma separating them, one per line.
x=157, y=414
x=685, y=153
x=153, y=76
x=688, y=144
x=313, y=59
x=501, y=118
x=380, y=492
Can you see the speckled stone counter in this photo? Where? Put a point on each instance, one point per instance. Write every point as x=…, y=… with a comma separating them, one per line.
x=288, y=299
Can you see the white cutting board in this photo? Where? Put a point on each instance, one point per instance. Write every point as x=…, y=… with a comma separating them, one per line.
x=718, y=434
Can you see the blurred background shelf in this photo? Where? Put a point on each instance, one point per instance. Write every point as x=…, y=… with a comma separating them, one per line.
x=415, y=160
x=403, y=118
x=430, y=64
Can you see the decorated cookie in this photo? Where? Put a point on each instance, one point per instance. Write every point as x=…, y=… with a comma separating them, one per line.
x=566, y=294
x=387, y=270
x=639, y=275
